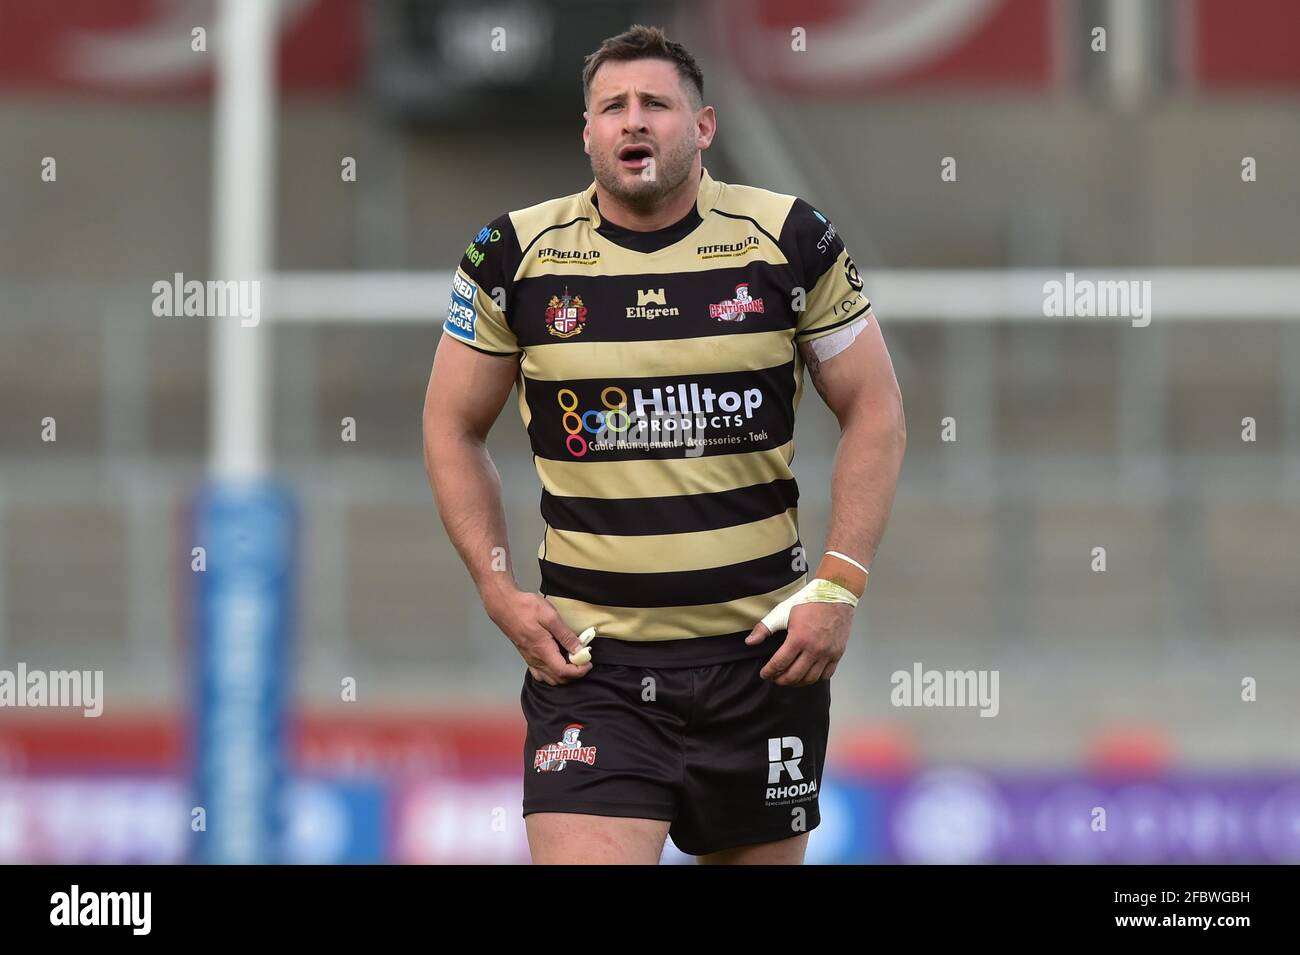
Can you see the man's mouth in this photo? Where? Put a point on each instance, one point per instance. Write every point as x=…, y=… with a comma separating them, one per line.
x=635, y=156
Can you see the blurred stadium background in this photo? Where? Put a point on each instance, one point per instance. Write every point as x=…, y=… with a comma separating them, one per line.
x=1121, y=689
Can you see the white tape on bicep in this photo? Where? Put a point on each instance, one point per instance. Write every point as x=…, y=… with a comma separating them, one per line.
x=828, y=346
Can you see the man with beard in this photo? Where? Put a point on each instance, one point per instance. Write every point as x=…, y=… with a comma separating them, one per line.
x=657, y=326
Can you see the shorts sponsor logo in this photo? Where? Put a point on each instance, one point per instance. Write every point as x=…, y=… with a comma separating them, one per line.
x=777, y=794
x=776, y=746
x=553, y=757
x=566, y=316
x=727, y=250
x=569, y=256
x=735, y=309
x=780, y=767
x=651, y=303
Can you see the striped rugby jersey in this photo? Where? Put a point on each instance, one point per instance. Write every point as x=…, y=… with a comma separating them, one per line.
x=658, y=380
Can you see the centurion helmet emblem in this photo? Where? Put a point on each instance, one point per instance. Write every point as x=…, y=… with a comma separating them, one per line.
x=553, y=757
x=734, y=309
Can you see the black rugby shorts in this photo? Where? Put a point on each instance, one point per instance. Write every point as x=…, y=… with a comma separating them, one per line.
x=730, y=758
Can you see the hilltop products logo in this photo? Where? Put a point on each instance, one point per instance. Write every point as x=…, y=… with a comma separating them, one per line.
x=646, y=299
x=690, y=399
x=569, y=256
x=592, y=421
x=553, y=757
x=213, y=299
x=672, y=415
x=735, y=309
x=56, y=688
x=727, y=250
x=566, y=316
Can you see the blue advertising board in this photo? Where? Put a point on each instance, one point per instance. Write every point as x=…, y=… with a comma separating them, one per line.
x=243, y=619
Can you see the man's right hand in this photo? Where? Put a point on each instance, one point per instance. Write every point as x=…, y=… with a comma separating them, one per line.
x=541, y=637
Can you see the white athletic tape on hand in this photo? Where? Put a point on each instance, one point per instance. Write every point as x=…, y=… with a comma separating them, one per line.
x=817, y=591
x=584, y=655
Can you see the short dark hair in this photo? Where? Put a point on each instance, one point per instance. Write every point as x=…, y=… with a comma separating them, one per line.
x=644, y=43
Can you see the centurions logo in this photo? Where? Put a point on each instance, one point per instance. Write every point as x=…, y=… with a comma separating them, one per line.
x=554, y=756
x=565, y=315
x=734, y=309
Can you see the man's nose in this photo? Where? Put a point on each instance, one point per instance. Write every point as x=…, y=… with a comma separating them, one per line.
x=633, y=119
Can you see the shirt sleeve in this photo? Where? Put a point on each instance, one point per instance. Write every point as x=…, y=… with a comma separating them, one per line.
x=833, y=295
x=481, y=288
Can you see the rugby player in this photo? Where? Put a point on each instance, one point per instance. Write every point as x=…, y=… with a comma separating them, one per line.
x=657, y=326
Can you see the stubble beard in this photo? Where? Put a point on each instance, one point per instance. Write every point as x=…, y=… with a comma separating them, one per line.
x=640, y=194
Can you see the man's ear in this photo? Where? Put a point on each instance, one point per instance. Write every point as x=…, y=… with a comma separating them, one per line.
x=706, y=127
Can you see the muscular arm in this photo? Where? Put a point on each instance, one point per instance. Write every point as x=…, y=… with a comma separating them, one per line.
x=859, y=386
x=467, y=390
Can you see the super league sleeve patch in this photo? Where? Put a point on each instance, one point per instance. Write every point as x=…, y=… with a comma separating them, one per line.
x=461, y=313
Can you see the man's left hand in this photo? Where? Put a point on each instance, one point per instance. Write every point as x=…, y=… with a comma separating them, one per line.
x=817, y=637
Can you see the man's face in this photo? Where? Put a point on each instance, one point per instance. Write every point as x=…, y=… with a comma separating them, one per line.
x=642, y=134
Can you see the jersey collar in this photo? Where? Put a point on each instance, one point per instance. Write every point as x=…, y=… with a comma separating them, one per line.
x=705, y=199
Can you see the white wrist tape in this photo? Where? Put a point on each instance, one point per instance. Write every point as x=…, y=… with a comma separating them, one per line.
x=816, y=591
x=846, y=557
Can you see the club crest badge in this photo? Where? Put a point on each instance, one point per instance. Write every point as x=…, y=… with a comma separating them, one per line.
x=566, y=316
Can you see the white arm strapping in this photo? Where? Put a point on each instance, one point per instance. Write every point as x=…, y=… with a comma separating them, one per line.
x=828, y=346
